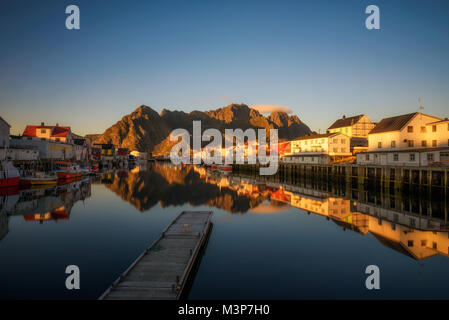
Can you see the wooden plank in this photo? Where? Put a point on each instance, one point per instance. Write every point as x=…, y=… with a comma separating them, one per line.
x=162, y=270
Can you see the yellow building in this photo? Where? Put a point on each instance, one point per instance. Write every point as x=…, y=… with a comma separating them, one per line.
x=354, y=127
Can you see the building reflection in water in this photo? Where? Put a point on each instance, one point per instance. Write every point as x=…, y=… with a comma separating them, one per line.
x=41, y=204
x=413, y=225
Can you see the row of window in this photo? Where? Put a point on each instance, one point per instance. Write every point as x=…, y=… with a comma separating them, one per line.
x=411, y=143
x=412, y=157
x=424, y=129
x=343, y=141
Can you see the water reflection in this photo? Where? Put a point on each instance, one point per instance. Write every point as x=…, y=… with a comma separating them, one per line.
x=41, y=204
x=284, y=232
x=412, y=225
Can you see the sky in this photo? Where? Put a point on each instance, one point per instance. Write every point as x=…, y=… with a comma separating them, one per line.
x=315, y=58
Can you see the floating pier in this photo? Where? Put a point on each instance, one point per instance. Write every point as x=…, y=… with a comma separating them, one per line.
x=162, y=270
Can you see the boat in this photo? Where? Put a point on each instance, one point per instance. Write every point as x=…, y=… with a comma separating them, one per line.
x=68, y=170
x=39, y=178
x=9, y=175
x=225, y=168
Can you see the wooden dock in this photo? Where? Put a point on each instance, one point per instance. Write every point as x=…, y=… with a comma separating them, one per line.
x=162, y=270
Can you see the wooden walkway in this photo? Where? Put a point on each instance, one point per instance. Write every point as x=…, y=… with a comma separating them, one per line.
x=162, y=270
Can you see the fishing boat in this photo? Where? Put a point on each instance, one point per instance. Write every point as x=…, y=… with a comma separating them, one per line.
x=9, y=175
x=68, y=170
x=225, y=168
x=39, y=178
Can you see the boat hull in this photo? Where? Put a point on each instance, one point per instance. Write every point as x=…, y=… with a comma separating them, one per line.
x=9, y=182
x=68, y=175
x=38, y=181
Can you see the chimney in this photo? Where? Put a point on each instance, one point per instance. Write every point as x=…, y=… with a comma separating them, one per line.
x=344, y=117
x=42, y=124
x=57, y=124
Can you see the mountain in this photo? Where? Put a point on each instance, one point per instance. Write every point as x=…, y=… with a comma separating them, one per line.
x=147, y=131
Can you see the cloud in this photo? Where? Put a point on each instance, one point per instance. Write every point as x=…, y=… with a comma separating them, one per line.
x=269, y=108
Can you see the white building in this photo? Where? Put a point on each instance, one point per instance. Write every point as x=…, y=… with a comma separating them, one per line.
x=48, y=149
x=318, y=148
x=414, y=139
x=4, y=133
x=22, y=154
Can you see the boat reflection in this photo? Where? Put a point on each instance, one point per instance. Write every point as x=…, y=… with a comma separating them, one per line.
x=41, y=204
x=415, y=225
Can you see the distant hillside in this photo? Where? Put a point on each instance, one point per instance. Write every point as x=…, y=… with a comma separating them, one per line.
x=147, y=131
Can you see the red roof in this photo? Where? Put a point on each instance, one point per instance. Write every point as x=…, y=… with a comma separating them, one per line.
x=56, y=131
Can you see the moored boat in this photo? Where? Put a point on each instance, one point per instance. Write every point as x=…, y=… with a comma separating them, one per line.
x=9, y=175
x=39, y=178
x=226, y=168
x=68, y=170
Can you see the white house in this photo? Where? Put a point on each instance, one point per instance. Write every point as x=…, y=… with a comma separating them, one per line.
x=318, y=148
x=414, y=139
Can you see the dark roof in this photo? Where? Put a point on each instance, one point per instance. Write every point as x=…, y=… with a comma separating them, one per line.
x=393, y=123
x=394, y=245
x=79, y=141
x=440, y=121
x=345, y=122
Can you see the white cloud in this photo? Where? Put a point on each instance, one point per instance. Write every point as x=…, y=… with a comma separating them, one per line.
x=269, y=108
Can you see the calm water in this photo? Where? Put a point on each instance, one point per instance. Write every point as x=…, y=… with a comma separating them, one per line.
x=270, y=239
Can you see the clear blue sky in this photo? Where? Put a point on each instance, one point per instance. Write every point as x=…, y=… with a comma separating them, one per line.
x=314, y=57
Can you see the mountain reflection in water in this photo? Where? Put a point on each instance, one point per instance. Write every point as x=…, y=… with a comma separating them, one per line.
x=305, y=239
x=390, y=220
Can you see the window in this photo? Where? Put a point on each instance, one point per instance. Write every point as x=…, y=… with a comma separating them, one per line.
x=424, y=143
x=411, y=143
x=410, y=129
x=412, y=157
x=58, y=139
x=434, y=245
x=379, y=144
x=343, y=141
x=434, y=128
x=423, y=243
x=396, y=157
x=343, y=150
x=335, y=140
x=43, y=131
x=393, y=144
x=410, y=243
x=423, y=130
x=335, y=149
x=367, y=157
x=434, y=143
x=430, y=157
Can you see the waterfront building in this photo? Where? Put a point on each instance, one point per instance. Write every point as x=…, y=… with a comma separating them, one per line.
x=139, y=155
x=357, y=128
x=22, y=154
x=48, y=149
x=122, y=153
x=414, y=139
x=81, y=149
x=54, y=133
x=4, y=133
x=107, y=151
x=319, y=148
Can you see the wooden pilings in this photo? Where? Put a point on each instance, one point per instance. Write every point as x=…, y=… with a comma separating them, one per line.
x=387, y=176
